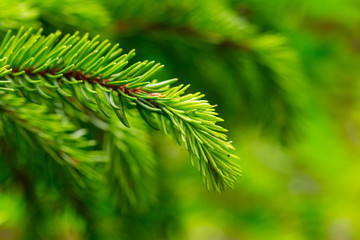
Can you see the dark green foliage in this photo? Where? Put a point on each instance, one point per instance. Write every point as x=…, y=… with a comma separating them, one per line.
x=82, y=157
x=95, y=74
x=210, y=42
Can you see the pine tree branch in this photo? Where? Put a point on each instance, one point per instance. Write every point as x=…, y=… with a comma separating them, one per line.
x=30, y=178
x=49, y=134
x=96, y=75
x=187, y=26
x=132, y=165
x=130, y=174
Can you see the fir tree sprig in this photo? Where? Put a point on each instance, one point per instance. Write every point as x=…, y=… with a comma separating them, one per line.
x=132, y=165
x=49, y=134
x=237, y=49
x=96, y=74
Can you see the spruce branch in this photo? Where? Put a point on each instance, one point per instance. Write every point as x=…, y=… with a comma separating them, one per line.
x=132, y=165
x=31, y=173
x=97, y=76
x=49, y=134
x=242, y=52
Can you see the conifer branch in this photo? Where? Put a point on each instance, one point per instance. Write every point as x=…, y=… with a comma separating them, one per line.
x=49, y=134
x=97, y=75
x=244, y=51
x=132, y=165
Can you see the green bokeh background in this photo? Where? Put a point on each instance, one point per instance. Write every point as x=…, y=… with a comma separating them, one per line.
x=285, y=75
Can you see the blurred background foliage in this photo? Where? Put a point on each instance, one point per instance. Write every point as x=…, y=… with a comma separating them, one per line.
x=285, y=76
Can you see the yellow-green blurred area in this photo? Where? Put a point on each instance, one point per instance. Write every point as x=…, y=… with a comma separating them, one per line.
x=285, y=75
